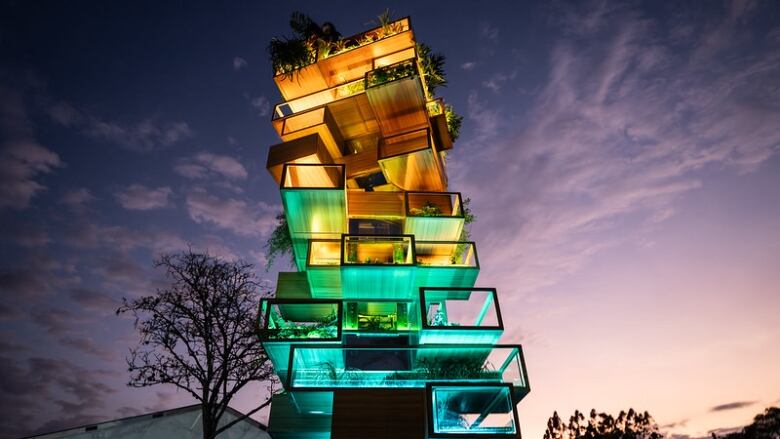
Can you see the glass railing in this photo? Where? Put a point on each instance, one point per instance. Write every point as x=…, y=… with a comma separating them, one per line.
x=381, y=317
x=460, y=308
x=313, y=176
x=363, y=39
x=393, y=72
x=326, y=50
x=324, y=253
x=329, y=367
x=472, y=410
x=340, y=91
x=317, y=99
x=302, y=319
x=404, y=143
x=446, y=254
x=434, y=204
x=378, y=250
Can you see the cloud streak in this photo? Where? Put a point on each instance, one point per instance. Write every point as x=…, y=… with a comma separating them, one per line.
x=205, y=164
x=623, y=127
x=140, y=197
x=732, y=406
x=144, y=136
x=22, y=160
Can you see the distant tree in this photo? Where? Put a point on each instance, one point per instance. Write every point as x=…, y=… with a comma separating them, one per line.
x=627, y=425
x=765, y=426
x=198, y=334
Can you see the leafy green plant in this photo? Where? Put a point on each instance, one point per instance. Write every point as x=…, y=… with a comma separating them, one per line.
x=454, y=121
x=279, y=243
x=429, y=209
x=403, y=69
x=432, y=65
x=289, y=54
x=398, y=253
x=280, y=328
x=465, y=233
x=468, y=219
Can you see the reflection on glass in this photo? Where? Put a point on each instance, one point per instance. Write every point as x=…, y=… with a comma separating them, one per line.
x=472, y=410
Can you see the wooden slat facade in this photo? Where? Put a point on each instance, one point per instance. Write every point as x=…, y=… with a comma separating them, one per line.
x=379, y=414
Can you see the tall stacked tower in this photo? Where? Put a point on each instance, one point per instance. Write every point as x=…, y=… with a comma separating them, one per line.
x=381, y=332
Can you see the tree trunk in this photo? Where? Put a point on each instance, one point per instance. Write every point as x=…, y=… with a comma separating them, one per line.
x=209, y=424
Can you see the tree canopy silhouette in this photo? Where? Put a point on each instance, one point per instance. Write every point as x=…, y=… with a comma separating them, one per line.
x=197, y=333
x=627, y=425
x=765, y=426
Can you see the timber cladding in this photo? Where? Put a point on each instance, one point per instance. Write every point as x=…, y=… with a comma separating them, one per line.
x=379, y=414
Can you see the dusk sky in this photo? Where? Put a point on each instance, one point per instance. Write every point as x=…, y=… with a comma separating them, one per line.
x=623, y=161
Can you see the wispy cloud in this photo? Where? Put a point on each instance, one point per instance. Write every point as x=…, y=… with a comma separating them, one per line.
x=206, y=164
x=488, y=31
x=623, y=126
x=38, y=384
x=77, y=198
x=496, y=81
x=468, y=66
x=22, y=160
x=262, y=105
x=239, y=63
x=231, y=214
x=143, y=136
x=140, y=197
x=732, y=406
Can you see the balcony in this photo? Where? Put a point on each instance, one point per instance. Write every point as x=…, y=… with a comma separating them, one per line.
x=434, y=216
x=304, y=150
x=460, y=316
x=468, y=410
x=317, y=121
x=324, y=367
x=438, y=118
x=411, y=162
x=387, y=266
x=296, y=320
x=451, y=264
x=381, y=317
x=362, y=266
x=285, y=321
x=347, y=60
x=314, y=202
x=397, y=96
x=378, y=267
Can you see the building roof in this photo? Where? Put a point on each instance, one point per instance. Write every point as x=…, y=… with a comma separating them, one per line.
x=144, y=419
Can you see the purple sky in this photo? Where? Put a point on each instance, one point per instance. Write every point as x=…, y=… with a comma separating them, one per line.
x=622, y=160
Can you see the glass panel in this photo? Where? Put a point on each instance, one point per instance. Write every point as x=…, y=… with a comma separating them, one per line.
x=460, y=307
x=378, y=250
x=393, y=72
x=404, y=143
x=296, y=321
x=304, y=120
x=379, y=317
x=323, y=97
x=472, y=410
x=311, y=176
x=438, y=204
x=393, y=58
x=446, y=254
x=412, y=367
x=324, y=252
x=364, y=38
